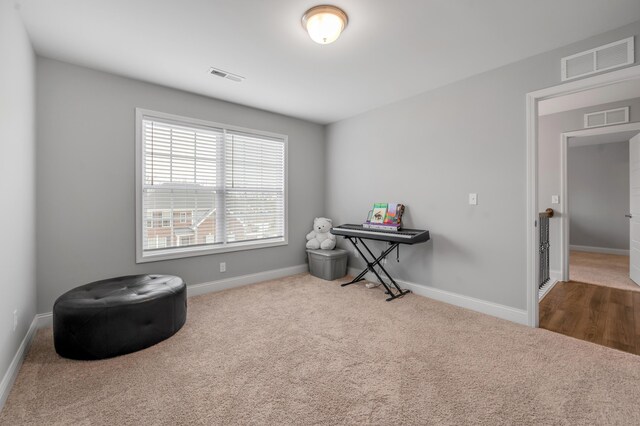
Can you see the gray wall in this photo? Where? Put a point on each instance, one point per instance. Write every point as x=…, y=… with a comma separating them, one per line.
x=429, y=152
x=598, y=186
x=550, y=127
x=85, y=180
x=17, y=183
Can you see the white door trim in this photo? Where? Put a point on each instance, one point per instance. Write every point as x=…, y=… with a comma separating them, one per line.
x=531, y=230
x=564, y=215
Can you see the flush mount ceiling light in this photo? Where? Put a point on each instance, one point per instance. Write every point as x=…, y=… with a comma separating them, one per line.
x=324, y=23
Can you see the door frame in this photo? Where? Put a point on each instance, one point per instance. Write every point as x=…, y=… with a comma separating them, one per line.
x=564, y=191
x=531, y=229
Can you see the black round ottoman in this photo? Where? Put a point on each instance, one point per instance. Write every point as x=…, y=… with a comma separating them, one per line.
x=117, y=316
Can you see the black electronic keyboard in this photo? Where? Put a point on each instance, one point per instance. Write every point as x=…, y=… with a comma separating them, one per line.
x=404, y=236
x=357, y=233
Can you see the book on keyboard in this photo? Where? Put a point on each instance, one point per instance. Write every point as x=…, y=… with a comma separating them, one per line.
x=385, y=216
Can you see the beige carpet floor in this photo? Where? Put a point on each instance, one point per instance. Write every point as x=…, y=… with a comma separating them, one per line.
x=608, y=270
x=305, y=351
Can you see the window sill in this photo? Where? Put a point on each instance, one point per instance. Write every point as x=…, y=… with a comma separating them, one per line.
x=174, y=253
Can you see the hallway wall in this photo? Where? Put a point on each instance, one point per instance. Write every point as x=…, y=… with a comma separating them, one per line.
x=598, y=195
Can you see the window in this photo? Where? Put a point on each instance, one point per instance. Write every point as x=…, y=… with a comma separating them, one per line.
x=157, y=242
x=148, y=220
x=166, y=218
x=206, y=188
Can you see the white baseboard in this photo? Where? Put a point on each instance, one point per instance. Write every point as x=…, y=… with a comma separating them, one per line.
x=44, y=320
x=603, y=250
x=494, y=309
x=555, y=275
x=203, y=288
x=16, y=362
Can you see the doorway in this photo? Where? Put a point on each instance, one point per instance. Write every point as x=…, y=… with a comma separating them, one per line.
x=598, y=197
x=595, y=191
x=589, y=176
x=569, y=92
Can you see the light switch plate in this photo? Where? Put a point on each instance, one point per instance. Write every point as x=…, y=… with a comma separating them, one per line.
x=223, y=266
x=473, y=199
x=555, y=199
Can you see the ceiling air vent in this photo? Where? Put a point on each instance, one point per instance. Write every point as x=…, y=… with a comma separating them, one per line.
x=603, y=58
x=606, y=118
x=224, y=74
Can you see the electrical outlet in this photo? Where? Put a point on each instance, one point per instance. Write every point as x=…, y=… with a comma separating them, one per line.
x=223, y=266
x=15, y=319
x=356, y=254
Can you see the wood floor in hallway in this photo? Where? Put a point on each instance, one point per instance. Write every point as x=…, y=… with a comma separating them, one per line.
x=603, y=315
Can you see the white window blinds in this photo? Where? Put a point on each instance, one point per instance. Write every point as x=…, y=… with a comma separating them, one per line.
x=254, y=187
x=208, y=188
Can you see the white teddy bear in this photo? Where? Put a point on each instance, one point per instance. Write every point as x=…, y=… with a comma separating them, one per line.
x=320, y=237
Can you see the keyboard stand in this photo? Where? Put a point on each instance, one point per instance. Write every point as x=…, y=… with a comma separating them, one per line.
x=371, y=267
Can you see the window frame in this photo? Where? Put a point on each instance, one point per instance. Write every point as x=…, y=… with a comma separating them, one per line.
x=184, y=252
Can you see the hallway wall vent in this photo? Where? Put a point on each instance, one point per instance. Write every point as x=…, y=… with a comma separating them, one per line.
x=603, y=58
x=606, y=118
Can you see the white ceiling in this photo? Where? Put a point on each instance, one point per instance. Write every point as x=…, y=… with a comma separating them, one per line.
x=601, y=139
x=629, y=89
x=390, y=50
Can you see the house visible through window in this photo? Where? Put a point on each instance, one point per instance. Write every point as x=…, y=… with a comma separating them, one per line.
x=205, y=188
